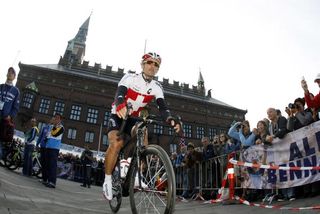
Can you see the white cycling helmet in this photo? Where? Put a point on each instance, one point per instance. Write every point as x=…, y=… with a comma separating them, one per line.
x=151, y=55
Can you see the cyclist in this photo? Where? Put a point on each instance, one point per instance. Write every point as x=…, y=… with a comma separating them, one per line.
x=139, y=90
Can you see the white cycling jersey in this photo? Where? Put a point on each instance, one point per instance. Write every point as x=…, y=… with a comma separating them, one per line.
x=140, y=92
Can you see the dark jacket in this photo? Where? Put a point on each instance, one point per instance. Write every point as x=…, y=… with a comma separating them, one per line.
x=280, y=129
x=10, y=95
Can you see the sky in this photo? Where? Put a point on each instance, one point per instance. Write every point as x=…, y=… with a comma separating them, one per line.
x=251, y=53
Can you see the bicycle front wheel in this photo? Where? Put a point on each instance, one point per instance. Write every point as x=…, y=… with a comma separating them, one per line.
x=13, y=160
x=36, y=168
x=155, y=191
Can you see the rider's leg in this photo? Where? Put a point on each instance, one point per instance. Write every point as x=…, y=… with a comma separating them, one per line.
x=111, y=156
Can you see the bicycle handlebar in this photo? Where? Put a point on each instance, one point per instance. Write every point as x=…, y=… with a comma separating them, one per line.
x=150, y=119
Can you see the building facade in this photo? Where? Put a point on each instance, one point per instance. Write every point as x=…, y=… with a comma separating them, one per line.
x=83, y=94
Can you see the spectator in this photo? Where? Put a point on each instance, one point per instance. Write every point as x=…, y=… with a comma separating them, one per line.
x=190, y=162
x=262, y=132
x=277, y=126
x=312, y=102
x=208, y=150
x=41, y=143
x=174, y=159
x=86, y=160
x=297, y=115
x=29, y=147
x=52, y=150
x=219, y=146
x=9, y=107
x=240, y=131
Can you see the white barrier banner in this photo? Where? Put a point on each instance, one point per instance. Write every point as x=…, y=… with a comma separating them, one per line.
x=297, y=149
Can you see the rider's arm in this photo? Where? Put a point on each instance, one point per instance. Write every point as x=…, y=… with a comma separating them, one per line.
x=164, y=111
x=120, y=95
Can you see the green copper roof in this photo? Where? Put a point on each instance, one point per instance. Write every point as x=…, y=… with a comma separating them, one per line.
x=32, y=86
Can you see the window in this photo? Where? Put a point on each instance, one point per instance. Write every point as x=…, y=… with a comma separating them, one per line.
x=75, y=112
x=170, y=131
x=105, y=140
x=72, y=134
x=89, y=136
x=157, y=129
x=92, y=115
x=58, y=108
x=106, y=118
x=187, y=129
x=212, y=132
x=200, y=132
x=44, y=106
x=27, y=100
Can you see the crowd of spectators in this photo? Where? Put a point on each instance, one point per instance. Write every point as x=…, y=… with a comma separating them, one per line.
x=240, y=137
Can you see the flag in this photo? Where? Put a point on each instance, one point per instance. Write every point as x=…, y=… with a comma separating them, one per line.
x=182, y=142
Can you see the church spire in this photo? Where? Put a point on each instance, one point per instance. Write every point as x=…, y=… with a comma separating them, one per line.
x=77, y=46
x=201, y=83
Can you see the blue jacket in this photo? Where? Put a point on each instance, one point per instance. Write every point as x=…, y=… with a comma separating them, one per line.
x=55, y=137
x=43, y=136
x=10, y=95
x=237, y=135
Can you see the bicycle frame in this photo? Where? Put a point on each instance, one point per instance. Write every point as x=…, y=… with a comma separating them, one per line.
x=138, y=149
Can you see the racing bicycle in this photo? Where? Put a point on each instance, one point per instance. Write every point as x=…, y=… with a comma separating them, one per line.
x=150, y=179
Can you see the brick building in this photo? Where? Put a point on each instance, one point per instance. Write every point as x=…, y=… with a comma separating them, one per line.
x=83, y=95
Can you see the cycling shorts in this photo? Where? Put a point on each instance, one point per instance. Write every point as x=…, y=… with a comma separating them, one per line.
x=115, y=124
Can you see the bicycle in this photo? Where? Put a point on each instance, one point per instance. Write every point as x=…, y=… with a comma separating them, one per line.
x=14, y=155
x=150, y=179
x=36, y=165
x=5, y=148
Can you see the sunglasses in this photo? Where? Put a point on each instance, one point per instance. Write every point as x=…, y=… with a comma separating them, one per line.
x=152, y=62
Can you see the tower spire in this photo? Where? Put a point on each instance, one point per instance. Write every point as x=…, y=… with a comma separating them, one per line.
x=201, y=88
x=76, y=48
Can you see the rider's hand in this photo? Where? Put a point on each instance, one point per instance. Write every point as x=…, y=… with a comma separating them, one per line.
x=122, y=110
x=304, y=85
x=175, y=123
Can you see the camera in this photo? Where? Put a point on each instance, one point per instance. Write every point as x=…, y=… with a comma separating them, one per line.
x=291, y=105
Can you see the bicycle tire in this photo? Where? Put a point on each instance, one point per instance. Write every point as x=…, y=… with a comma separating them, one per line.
x=151, y=197
x=13, y=160
x=116, y=201
x=36, y=169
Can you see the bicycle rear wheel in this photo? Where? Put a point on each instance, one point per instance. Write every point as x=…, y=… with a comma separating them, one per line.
x=157, y=191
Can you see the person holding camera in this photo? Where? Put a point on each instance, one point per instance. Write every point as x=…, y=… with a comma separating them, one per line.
x=297, y=115
x=312, y=101
x=240, y=131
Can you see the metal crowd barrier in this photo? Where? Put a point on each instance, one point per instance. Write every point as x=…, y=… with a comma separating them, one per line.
x=75, y=173
x=207, y=176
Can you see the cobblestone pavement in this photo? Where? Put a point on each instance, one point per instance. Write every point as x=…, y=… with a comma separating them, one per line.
x=25, y=195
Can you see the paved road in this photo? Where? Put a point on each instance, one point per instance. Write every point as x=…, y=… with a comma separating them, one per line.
x=24, y=195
